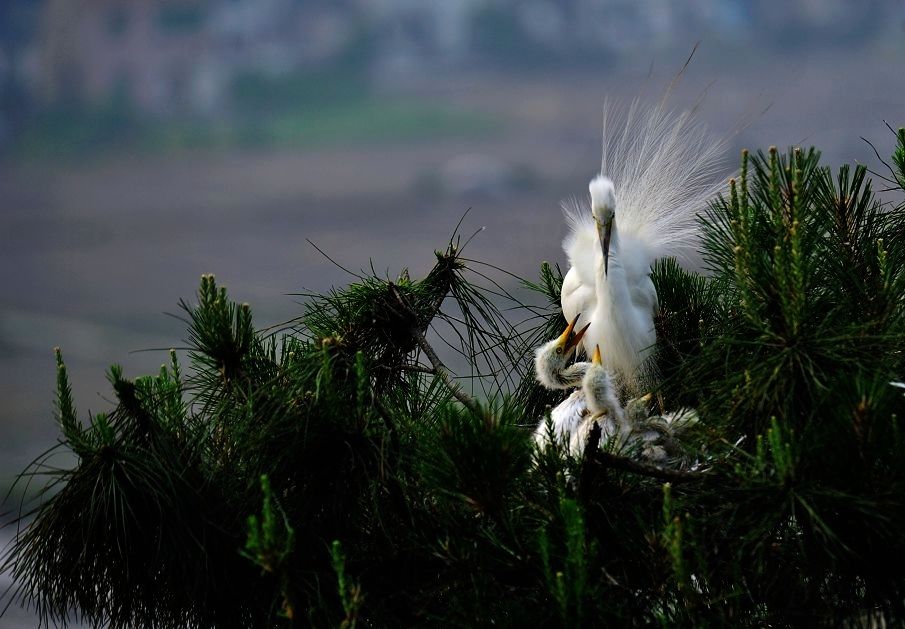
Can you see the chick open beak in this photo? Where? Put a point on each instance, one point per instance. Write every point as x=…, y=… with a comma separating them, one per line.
x=570, y=341
x=604, y=232
x=596, y=359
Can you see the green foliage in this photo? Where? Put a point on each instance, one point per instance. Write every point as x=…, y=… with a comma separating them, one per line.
x=571, y=584
x=549, y=323
x=128, y=527
x=476, y=458
x=337, y=474
x=349, y=593
x=790, y=343
x=66, y=415
x=803, y=291
x=270, y=542
x=344, y=115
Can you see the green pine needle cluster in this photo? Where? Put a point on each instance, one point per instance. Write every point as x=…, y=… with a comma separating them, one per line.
x=336, y=473
x=790, y=343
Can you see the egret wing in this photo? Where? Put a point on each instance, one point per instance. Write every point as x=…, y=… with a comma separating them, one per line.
x=577, y=297
x=637, y=257
x=644, y=295
x=567, y=415
x=581, y=245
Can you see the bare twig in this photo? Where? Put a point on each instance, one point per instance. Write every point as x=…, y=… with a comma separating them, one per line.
x=413, y=368
x=439, y=368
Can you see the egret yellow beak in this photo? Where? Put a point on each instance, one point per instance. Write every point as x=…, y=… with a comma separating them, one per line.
x=604, y=232
x=567, y=340
x=596, y=359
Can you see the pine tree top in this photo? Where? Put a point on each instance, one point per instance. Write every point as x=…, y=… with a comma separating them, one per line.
x=336, y=470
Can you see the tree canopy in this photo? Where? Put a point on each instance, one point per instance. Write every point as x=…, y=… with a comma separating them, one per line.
x=334, y=471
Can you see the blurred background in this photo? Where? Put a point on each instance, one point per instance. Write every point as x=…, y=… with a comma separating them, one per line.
x=144, y=143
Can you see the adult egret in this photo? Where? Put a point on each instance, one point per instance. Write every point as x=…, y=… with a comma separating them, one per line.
x=664, y=167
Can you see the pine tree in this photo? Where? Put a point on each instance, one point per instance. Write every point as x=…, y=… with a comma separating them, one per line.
x=335, y=472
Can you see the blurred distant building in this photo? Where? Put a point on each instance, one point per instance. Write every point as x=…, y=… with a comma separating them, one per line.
x=413, y=34
x=91, y=50
x=166, y=56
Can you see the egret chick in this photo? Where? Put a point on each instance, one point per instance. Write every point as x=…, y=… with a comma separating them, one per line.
x=659, y=434
x=551, y=358
x=637, y=413
x=637, y=410
x=681, y=420
x=600, y=394
x=553, y=371
x=601, y=406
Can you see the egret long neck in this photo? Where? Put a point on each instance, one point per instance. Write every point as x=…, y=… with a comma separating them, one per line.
x=572, y=375
x=609, y=324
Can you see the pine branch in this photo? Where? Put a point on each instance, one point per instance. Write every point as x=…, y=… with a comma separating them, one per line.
x=593, y=453
x=439, y=368
x=630, y=465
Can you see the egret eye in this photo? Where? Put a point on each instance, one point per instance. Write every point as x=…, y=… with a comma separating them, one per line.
x=559, y=350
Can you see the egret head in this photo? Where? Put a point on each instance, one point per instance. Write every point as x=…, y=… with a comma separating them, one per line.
x=597, y=376
x=551, y=358
x=603, y=208
x=637, y=408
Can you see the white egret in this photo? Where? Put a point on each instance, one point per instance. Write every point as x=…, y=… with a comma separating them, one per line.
x=657, y=434
x=596, y=402
x=551, y=359
x=637, y=409
x=553, y=371
x=600, y=394
x=664, y=167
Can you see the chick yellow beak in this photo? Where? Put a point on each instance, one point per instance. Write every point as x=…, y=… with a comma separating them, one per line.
x=567, y=340
x=646, y=397
x=596, y=359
